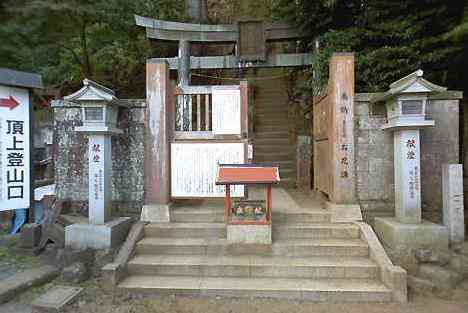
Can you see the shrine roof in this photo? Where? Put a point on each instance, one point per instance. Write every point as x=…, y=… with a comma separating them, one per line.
x=238, y=174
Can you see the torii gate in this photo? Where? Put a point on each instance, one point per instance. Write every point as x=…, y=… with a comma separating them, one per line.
x=225, y=126
x=250, y=38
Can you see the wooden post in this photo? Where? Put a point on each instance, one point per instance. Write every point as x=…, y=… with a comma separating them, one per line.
x=207, y=112
x=268, y=204
x=244, y=94
x=341, y=130
x=227, y=204
x=158, y=122
x=199, y=112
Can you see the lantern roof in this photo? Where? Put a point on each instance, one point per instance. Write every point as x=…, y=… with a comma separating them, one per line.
x=92, y=91
x=413, y=83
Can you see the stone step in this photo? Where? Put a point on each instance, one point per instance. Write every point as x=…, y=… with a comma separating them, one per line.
x=260, y=127
x=272, y=118
x=284, y=141
x=312, y=216
x=274, y=149
x=320, y=247
x=315, y=231
x=270, y=134
x=267, y=110
x=284, y=247
x=252, y=266
x=216, y=215
x=274, y=157
x=326, y=290
x=271, y=124
x=191, y=215
x=186, y=230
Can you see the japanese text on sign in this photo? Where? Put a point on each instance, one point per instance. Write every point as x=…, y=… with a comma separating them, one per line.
x=14, y=150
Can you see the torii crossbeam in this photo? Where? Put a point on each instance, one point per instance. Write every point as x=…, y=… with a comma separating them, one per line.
x=249, y=36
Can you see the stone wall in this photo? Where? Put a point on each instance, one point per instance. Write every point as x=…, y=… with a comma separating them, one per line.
x=439, y=145
x=374, y=156
x=374, y=160
x=71, y=158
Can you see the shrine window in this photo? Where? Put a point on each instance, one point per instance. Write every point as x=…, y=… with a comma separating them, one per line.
x=412, y=107
x=94, y=114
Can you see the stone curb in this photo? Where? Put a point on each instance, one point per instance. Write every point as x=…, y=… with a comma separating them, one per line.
x=394, y=277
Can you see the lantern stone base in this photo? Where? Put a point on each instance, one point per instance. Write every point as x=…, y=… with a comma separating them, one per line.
x=397, y=236
x=108, y=235
x=155, y=213
x=260, y=234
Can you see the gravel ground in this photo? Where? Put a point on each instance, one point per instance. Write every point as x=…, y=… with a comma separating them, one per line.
x=12, y=262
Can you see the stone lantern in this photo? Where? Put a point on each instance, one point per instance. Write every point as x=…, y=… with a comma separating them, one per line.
x=406, y=103
x=406, y=113
x=100, y=110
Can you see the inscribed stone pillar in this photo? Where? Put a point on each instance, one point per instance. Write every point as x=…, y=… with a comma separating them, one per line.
x=452, y=193
x=407, y=176
x=341, y=132
x=100, y=168
x=159, y=117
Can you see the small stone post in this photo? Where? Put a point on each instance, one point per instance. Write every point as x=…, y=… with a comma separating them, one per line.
x=304, y=155
x=453, y=208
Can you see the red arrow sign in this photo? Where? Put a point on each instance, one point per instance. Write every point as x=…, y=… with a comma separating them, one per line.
x=9, y=102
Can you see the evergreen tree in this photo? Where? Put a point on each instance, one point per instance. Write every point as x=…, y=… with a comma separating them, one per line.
x=391, y=38
x=67, y=40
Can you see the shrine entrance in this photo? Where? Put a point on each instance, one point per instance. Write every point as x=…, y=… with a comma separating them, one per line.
x=225, y=123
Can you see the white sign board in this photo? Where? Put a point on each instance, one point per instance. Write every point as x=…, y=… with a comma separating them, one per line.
x=14, y=148
x=226, y=114
x=194, y=167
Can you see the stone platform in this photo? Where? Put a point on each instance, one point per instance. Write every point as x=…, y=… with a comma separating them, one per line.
x=108, y=235
x=399, y=236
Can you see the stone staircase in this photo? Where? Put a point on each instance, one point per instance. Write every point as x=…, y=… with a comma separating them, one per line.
x=310, y=259
x=271, y=143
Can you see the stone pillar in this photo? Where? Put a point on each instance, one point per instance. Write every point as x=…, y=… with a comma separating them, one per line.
x=159, y=126
x=407, y=176
x=453, y=208
x=100, y=169
x=304, y=156
x=341, y=131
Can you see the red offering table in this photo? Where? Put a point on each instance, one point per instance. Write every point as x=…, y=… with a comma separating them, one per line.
x=247, y=174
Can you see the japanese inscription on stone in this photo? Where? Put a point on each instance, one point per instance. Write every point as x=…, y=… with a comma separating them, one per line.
x=96, y=159
x=413, y=177
x=14, y=150
x=345, y=147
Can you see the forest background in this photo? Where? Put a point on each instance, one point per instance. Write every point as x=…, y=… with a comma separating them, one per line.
x=67, y=40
